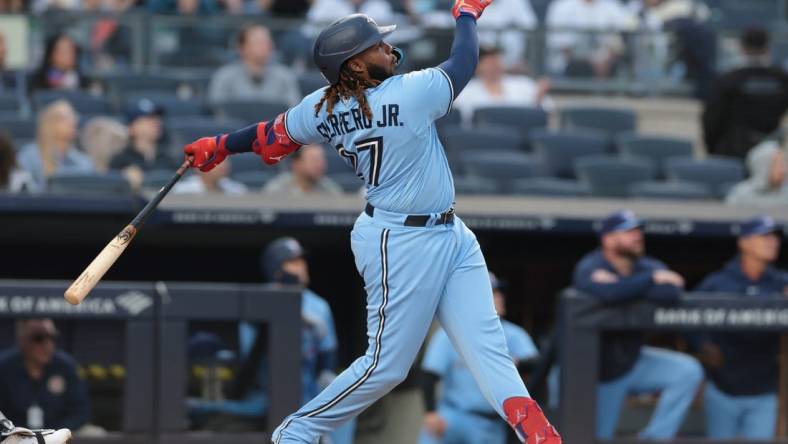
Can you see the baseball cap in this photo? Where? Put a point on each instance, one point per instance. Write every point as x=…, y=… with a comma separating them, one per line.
x=757, y=226
x=143, y=107
x=621, y=220
x=278, y=252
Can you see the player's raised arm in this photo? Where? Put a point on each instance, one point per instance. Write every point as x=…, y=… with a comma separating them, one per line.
x=268, y=139
x=464, y=55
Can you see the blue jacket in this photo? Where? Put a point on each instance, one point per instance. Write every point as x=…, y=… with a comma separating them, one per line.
x=60, y=393
x=749, y=359
x=620, y=350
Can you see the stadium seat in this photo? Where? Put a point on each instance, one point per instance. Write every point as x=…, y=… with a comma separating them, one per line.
x=83, y=102
x=474, y=185
x=670, y=190
x=254, y=180
x=249, y=111
x=715, y=172
x=185, y=130
x=92, y=184
x=451, y=120
x=246, y=162
x=611, y=176
x=550, y=187
x=558, y=150
x=119, y=85
x=335, y=164
x=656, y=148
x=310, y=82
x=349, y=182
x=519, y=118
x=21, y=129
x=503, y=167
x=173, y=105
x=10, y=104
x=610, y=120
x=457, y=140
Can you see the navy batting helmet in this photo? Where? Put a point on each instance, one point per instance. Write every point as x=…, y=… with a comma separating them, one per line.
x=345, y=38
x=277, y=253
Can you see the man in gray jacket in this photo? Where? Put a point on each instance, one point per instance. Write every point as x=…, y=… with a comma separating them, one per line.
x=767, y=183
x=254, y=77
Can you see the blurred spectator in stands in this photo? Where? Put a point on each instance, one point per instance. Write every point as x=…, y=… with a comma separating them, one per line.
x=9, y=79
x=493, y=87
x=102, y=138
x=741, y=393
x=462, y=414
x=110, y=40
x=748, y=103
x=307, y=175
x=60, y=67
x=182, y=7
x=12, y=6
x=696, y=40
x=12, y=179
x=503, y=26
x=767, y=184
x=143, y=153
x=326, y=11
x=39, y=386
x=54, y=150
x=46, y=6
x=582, y=39
x=216, y=181
x=616, y=273
x=255, y=77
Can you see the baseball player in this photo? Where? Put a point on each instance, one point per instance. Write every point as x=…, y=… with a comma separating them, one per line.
x=20, y=435
x=418, y=259
x=462, y=415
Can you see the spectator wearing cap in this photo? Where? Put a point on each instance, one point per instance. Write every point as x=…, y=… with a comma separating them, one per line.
x=619, y=272
x=54, y=150
x=307, y=175
x=462, y=414
x=39, y=385
x=748, y=103
x=767, y=184
x=255, y=77
x=741, y=392
x=493, y=87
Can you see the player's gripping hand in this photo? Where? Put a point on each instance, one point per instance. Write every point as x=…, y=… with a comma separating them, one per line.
x=473, y=8
x=207, y=152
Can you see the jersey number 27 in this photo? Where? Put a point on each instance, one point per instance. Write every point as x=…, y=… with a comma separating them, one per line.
x=374, y=145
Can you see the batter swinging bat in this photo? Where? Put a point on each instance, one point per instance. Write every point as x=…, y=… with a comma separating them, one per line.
x=95, y=271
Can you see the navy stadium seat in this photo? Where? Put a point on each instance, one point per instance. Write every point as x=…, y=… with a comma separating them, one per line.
x=311, y=82
x=522, y=119
x=452, y=119
x=611, y=176
x=718, y=173
x=558, y=150
x=612, y=121
x=186, y=130
x=88, y=183
x=246, y=162
x=335, y=164
x=656, y=148
x=349, y=181
x=670, y=190
x=249, y=111
x=173, y=105
x=503, y=167
x=254, y=180
x=457, y=140
x=10, y=104
x=155, y=179
x=550, y=187
x=474, y=185
x=83, y=102
x=21, y=129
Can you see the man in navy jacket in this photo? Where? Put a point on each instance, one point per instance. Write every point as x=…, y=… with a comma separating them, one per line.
x=741, y=394
x=615, y=273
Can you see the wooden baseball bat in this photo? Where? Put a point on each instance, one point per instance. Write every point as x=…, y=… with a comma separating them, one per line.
x=80, y=288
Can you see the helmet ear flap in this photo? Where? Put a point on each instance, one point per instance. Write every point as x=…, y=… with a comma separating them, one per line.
x=399, y=54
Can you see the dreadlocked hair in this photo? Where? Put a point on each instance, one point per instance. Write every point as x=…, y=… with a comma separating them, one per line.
x=349, y=85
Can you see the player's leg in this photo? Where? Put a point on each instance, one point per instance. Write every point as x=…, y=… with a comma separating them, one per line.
x=760, y=417
x=404, y=274
x=468, y=315
x=676, y=376
x=722, y=413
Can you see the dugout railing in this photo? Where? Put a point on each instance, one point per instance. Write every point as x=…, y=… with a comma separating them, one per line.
x=156, y=318
x=583, y=319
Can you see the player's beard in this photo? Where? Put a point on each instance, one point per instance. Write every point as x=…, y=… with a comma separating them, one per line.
x=377, y=72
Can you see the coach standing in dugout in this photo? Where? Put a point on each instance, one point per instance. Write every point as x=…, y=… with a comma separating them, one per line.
x=741, y=392
x=39, y=386
x=746, y=104
x=619, y=272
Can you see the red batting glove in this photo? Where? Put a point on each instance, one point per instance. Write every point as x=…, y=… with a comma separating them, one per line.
x=206, y=153
x=528, y=421
x=473, y=8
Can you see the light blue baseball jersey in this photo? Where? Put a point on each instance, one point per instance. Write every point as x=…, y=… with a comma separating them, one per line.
x=460, y=389
x=397, y=153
